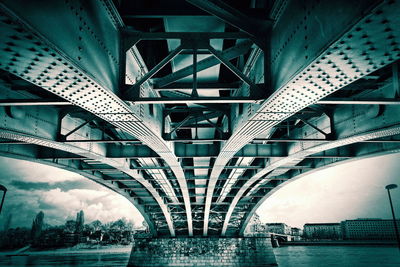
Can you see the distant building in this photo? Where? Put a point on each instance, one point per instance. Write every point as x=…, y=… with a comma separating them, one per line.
x=279, y=228
x=369, y=229
x=296, y=233
x=255, y=227
x=322, y=231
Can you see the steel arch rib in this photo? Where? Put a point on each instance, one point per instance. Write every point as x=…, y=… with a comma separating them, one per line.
x=12, y=135
x=275, y=189
x=70, y=81
x=90, y=177
x=343, y=62
x=394, y=130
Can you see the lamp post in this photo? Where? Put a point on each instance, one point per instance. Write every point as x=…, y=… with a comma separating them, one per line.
x=388, y=188
x=4, y=189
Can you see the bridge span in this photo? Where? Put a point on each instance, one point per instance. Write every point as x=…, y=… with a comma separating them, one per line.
x=197, y=111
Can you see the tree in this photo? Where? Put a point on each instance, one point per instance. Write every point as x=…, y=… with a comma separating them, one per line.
x=119, y=225
x=146, y=226
x=7, y=222
x=70, y=226
x=80, y=221
x=96, y=225
x=37, y=225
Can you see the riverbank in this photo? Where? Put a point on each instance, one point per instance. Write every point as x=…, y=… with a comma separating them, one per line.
x=341, y=243
x=78, y=249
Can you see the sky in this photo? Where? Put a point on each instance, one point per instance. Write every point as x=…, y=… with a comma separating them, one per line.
x=60, y=194
x=346, y=191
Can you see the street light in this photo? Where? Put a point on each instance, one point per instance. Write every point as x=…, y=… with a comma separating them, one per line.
x=388, y=188
x=4, y=189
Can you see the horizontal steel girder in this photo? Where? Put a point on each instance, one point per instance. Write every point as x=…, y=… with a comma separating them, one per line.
x=195, y=151
x=200, y=86
x=324, y=66
x=202, y=100
x=193, y=100
x=359, y=101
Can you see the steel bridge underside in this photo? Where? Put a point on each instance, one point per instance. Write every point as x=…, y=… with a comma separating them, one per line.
x=198, y=111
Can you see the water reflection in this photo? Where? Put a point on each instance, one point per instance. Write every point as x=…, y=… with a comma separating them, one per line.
x=292, y=256
x=330, y=256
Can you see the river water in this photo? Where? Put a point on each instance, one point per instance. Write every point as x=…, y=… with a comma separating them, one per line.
x=303, y=256
x=321, y=256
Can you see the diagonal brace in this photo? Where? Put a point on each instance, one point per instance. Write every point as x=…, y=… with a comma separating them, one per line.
x=234, y=69
x=206, y=63
x=154, y=70
x=312, y=126
x=64, y=136
x=232, y=16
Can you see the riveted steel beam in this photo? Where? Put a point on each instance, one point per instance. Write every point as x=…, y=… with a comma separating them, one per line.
x=33, y=102
x=132, y=37
x=183, y=150
x=195, y=140
x=325, y=66
x=77, y=73
x=359, y=101
x=234, y=17
x=200, y=86
x=167, y=10
x=192, y=100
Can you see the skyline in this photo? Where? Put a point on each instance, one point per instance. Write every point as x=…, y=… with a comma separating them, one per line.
x=60, y=194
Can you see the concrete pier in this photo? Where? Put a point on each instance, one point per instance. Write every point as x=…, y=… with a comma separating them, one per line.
x=247, y=251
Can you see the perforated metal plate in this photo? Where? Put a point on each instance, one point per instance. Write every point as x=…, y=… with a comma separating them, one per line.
x=370, y=44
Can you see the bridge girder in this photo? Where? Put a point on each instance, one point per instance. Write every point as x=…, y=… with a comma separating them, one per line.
x=36, y=53
x=359, y=131
x=329, y=64
x=205, y=167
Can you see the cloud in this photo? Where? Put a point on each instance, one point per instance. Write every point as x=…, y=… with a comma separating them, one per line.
x=15, y=169
x=347, y=191
x=60, y=194
x=64, y=185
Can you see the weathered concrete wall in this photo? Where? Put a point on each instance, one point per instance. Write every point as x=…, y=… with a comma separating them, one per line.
x=248, y=251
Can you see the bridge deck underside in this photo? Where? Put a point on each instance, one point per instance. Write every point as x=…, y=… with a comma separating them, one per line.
x=198, y=111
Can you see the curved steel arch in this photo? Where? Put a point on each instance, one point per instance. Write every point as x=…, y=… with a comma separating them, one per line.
x=88, y=175
x=298, y=156
x=330, y=165
x=333, y=65
x=78, y=77
x=17, y=136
